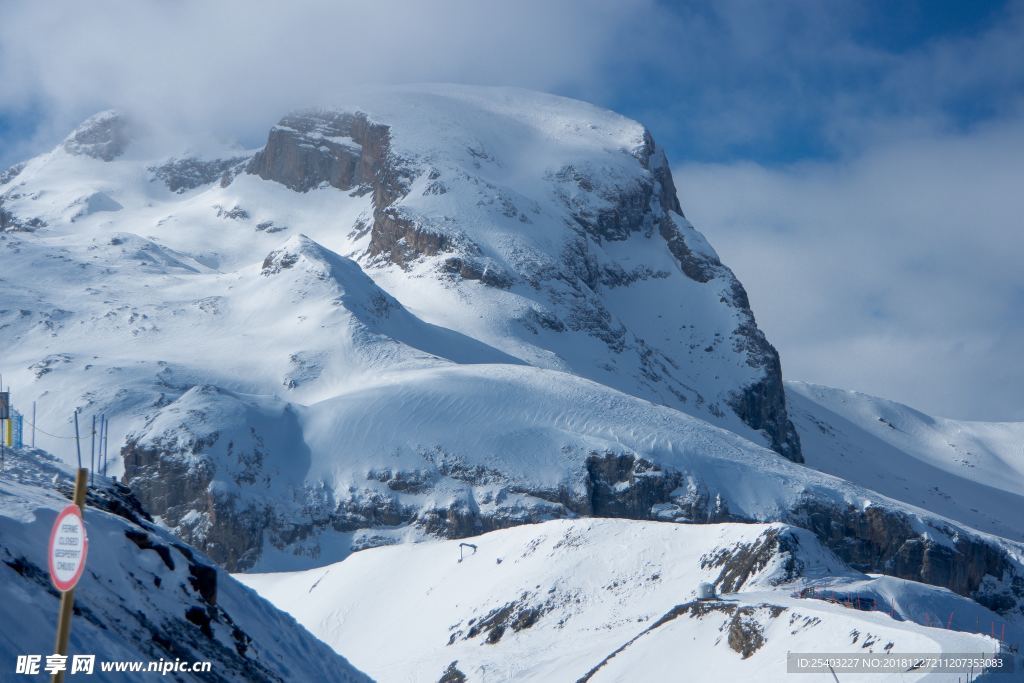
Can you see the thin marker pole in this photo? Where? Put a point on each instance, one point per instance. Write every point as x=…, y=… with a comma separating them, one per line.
x=92, y=454
x=99, y=454
x=33, y=424
x=67, y=598
x=106, y=446
x=78, y=441
x=106, y=442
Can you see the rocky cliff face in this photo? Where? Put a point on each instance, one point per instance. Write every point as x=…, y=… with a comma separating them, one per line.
x=339, y=149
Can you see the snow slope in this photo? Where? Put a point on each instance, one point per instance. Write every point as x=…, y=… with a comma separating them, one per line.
x=384, y=464
x=972, y=472
x=550, y=602
x=145, y=596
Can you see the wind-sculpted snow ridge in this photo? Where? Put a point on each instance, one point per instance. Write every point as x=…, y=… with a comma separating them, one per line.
x=145, y=595
x=615, y=600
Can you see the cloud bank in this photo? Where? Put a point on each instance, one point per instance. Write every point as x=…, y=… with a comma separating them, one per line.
x=897, y=273
x=233, y=67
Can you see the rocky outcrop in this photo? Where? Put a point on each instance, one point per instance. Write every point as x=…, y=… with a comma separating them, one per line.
x=873, y=539
x=349, y=152
x=762, y=404
x=104, y=136
x=11, y=173
x=886, y=541
x=149, y=596
x=744, y=561
x=10, y=222
x=401, y=239
x=182, y=175
x=344, y=150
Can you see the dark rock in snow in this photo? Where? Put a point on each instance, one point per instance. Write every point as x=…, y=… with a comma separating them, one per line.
x=104, y=136
x=182, y=175
x=11, y=173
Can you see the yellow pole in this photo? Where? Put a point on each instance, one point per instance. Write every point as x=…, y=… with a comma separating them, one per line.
x=67, y=598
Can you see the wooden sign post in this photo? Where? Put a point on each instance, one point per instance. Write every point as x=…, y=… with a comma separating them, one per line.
x=69, y=546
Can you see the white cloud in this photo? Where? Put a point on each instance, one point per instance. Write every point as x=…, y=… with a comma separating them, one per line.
x=235, y=66
x=897, y=273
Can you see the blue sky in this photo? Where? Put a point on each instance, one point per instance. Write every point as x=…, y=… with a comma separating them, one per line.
x=795, y=83
x=850, y=160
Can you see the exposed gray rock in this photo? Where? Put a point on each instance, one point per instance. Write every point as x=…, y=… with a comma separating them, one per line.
x=182, y=175
x=153, y=596
x=886, y=542
x=11, y=173
x=648, y=207
x=103, y=136
x=349, y=152
x=343, y=150
x=270, y=227
x=453, y=674
x=762, y=405
x=482, y=269
x=235, y=213
x=741, y=562
x=10, y=222
x=400, y=239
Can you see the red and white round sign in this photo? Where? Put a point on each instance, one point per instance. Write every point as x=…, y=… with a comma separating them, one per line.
x=68, y=548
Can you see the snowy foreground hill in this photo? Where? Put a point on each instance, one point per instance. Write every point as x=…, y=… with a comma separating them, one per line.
x=145, y=596
x=442, y=312
x=614, y=600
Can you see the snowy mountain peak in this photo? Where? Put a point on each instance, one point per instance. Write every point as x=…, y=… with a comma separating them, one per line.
x=559, y=222
x=102, y=136
x=313, y=256
x=410, y=252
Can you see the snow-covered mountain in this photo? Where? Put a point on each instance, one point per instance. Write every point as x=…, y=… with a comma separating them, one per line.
x=144, y=597
x=421, y=311
x=403, y=233
x=972, y=472
x=615, y=600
